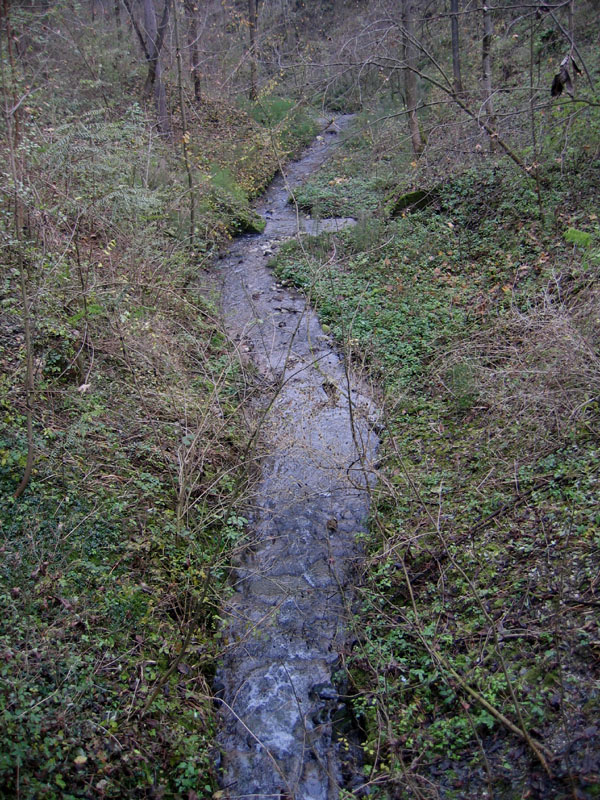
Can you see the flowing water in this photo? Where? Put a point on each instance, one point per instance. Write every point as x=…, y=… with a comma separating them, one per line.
x=293, y=587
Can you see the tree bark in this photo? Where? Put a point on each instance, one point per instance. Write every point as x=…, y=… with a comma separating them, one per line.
x=118, y=25
x=184, y=126
x=11, y=119
x=486, y=64
x=410, y=78
x=191, y=11
x=571, y=8
x=15, y=116
x=154, y=38
x=252, y=18
x=458, y=87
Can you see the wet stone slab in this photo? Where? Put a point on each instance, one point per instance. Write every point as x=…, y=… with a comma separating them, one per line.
x=286, y=622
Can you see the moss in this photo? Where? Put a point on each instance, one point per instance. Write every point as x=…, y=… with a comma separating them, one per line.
x=411, y=201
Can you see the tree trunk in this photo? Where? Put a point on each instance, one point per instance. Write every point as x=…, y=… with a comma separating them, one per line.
x=118, y=25
x=410, y=78
x=486, y=64
x=154, y=40
x=571, y=26
x=252, y=17
x=191, y=11
x=160, y=99
x=16, y=174
x=458, y=87
x=184, y=126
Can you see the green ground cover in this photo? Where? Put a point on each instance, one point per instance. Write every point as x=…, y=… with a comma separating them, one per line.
x=114, y=560
x=476, y=652
x=477, y=627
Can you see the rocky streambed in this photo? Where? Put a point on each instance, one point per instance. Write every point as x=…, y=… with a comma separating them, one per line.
x=287, y=620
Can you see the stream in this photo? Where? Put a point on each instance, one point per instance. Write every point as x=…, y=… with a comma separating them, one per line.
x=287, y=619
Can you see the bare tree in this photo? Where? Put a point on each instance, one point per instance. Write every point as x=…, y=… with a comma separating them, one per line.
x=191, y=11
x=11, y=119
x=154, y=41
x=184, y=126
x=151, y=40
x=486, y=65
x=118, y=24
x=458, y=87
x=252, y=19
x=410, y=77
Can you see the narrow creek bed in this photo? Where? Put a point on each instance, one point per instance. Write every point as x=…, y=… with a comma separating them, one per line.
x=293, y=590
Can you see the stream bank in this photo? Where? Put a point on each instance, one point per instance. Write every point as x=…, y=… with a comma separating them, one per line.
x=293, y=588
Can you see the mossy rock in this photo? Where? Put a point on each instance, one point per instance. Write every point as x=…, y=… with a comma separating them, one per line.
x=239, y=216
x=416, y=200
x=248, y=222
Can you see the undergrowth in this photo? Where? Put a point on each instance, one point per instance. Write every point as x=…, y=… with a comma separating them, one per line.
x=476, y=669
x=114, y=561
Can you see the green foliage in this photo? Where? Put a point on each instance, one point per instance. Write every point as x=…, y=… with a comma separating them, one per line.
x=462, y=385
x=232, y=204
x=119, y=545
x=281, y=128
x=401, y=319
x=223, y=180
x=578, y=238
x=105, y=163
x=270, y=110
x=98, y=584
x=335, y=195
x=450, y=310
